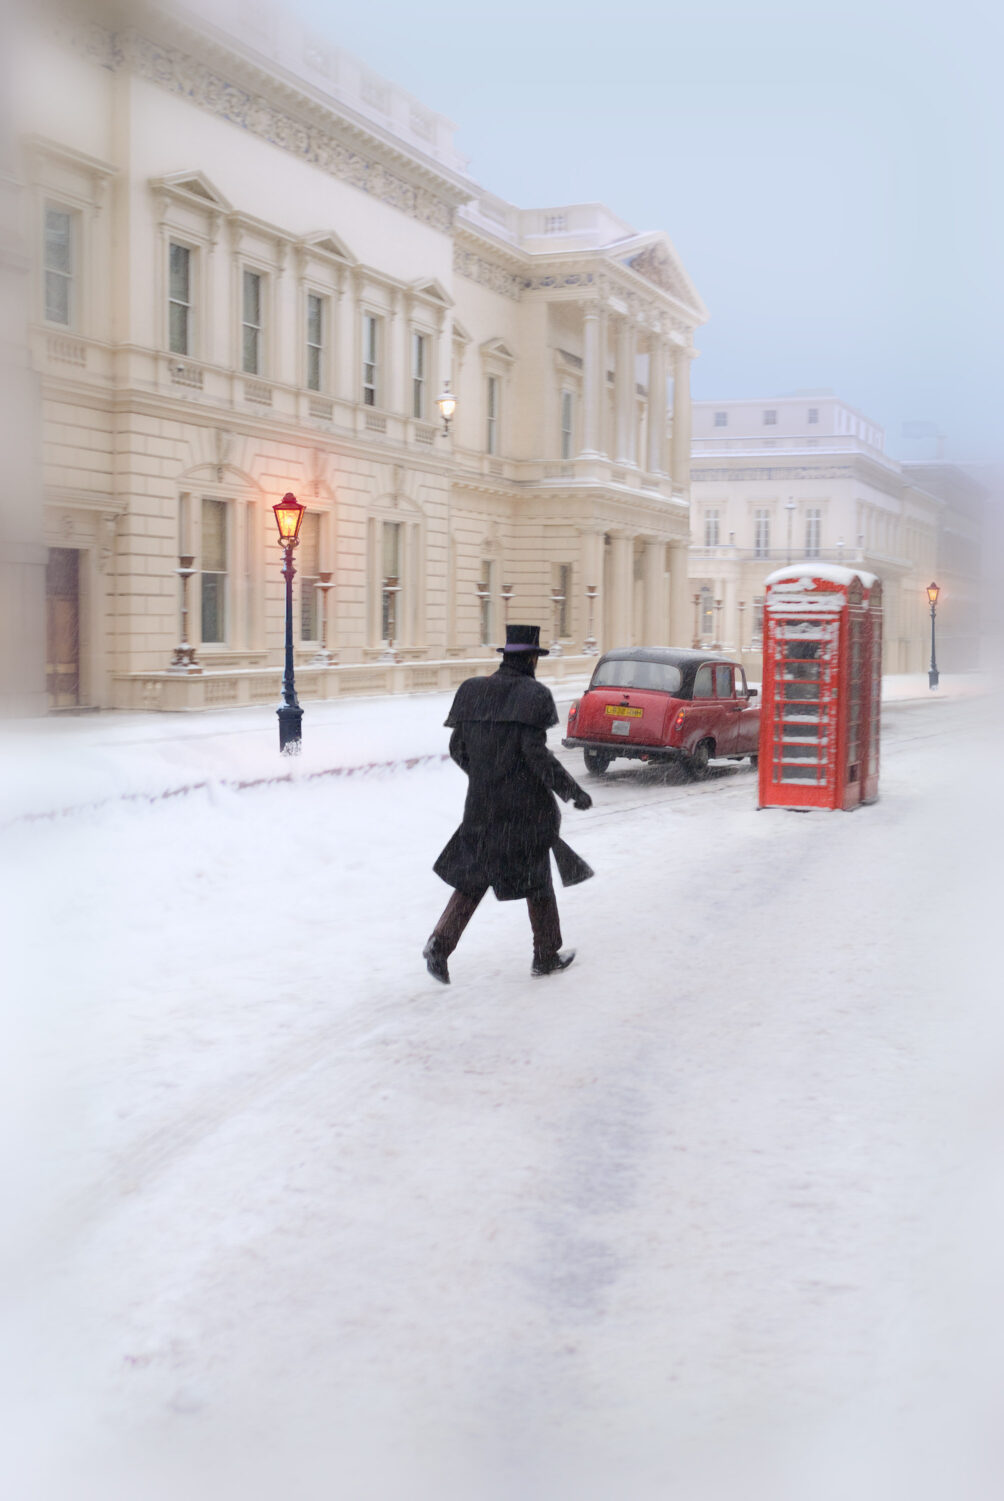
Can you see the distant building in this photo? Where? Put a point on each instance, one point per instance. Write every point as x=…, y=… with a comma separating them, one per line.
x=254, y=266
x=805, y=477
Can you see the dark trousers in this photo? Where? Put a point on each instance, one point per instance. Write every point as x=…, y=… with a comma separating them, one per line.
x=542, y=906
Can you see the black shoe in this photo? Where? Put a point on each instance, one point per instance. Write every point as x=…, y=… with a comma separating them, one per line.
x=553, y=963
x=435, y=960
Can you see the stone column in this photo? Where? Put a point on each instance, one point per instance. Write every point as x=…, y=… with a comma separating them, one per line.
x=592, y=380
x=621, y=603
x=654, y=576
x=681, y=417
x=656, y=461
x=625, y=386
x=680, y=609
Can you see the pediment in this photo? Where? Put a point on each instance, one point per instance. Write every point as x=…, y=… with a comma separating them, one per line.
x=328, y=243
x=498, y=349
x=658, y=262
x=460, y=334
x=194, y=185
x=432, y=289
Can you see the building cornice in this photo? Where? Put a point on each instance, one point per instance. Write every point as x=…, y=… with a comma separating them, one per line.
x=217, y=78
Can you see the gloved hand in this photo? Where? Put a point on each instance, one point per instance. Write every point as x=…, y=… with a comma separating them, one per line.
x=582, y=800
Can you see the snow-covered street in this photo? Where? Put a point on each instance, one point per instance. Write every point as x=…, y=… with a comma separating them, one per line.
x=716, y=1214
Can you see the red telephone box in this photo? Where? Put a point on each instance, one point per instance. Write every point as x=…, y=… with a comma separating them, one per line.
x=822, y=682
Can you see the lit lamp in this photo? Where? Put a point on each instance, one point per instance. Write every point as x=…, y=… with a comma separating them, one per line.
x=932, y=595
x=288, y=516
x=447, y=404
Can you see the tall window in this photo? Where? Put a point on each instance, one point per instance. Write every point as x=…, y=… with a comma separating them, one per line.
x=315, y=342
x=58, y=258
x=419, y=373
x=214, y=570
x=567, y=424
x=251, y=324
x=390, y=613
x=711, y=532
x=758, y=603
x=485, y=592
x=492, y=415
x=308, y=561
x=179, y=310
x=721, y=419
x=564, y=608
x=371, y=357
x=706, y=612
x=761, y=534
x=813, y=524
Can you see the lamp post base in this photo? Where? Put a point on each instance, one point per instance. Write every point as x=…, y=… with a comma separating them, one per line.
x=290, y=723
x=932, y=677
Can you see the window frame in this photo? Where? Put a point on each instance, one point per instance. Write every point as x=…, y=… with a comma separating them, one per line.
x=370, y=368
x=493, y=405
x=813, y=531
x=761, y=532
x=770, y=417
x=178, y=242
x=566, y=429
x=72, y=216
x=259, y=328
x=223, y=607
x=712, y=527
x=311, y=348
x=309, y=581
x=721, y=419
x=421, y=344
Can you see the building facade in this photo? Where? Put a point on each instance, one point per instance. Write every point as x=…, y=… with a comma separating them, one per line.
x=806, y=477
x=253, y=267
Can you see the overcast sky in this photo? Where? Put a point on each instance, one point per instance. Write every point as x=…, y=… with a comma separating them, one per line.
x=829, y=175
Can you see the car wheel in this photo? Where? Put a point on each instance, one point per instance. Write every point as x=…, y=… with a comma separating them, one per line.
x=754, y=761
x=596, y=762
x=697, y=762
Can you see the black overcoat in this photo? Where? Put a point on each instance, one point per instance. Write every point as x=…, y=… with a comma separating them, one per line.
x=511, y=818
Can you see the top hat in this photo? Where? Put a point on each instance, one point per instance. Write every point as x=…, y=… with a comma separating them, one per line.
x=523, y=638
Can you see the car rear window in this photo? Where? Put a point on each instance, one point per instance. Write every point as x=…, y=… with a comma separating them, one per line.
x=662, y=677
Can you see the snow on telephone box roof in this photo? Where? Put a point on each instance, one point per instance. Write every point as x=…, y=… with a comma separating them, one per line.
x=815, y=587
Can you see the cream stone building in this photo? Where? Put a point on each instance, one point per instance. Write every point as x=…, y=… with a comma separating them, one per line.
x=807, y=477
x=253, y=267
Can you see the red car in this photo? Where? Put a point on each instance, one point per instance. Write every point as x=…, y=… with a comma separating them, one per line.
x=654, y=703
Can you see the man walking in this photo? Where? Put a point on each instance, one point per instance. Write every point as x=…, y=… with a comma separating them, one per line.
x=511, y=818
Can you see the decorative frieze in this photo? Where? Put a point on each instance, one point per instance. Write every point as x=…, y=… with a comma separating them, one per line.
x=180, y=73
x=487, y=273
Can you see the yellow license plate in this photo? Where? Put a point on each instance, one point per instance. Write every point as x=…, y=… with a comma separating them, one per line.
x=622, y=712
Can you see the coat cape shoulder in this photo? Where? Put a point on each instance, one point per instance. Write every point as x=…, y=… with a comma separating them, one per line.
x=503, y=698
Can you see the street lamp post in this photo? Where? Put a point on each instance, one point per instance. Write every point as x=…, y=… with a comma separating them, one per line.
x=184, y=653
x=589, y=647
x=288, y=516
x=742, y=633
x=932, y=594
x=790, y=508
x=717, y=643
x=697, y=621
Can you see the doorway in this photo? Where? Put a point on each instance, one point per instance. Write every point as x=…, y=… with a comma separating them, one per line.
x=62, y=612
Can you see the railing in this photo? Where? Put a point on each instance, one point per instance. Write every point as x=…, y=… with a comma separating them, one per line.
x=748, y=443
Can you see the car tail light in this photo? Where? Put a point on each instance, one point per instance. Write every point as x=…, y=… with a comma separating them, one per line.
x=573, y=711
x=678, y=722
